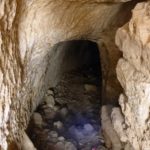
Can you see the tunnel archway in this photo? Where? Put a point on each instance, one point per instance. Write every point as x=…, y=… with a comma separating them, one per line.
x=71, y=55
x=71, y=106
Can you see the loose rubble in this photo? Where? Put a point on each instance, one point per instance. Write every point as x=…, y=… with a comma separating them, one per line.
x=70, y=116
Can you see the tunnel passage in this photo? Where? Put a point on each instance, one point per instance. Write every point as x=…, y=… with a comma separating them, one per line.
x=68, y=117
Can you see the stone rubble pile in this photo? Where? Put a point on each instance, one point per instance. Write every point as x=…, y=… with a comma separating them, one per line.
x=68, y=118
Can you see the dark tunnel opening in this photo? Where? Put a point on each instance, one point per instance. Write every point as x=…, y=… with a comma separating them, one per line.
x=68, y=117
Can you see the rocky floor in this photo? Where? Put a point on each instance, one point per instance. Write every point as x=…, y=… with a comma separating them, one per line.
x=68, y=118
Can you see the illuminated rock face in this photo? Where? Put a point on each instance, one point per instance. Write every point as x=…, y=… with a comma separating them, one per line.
x=30, y=29
x=133, y=72
x=11, y=71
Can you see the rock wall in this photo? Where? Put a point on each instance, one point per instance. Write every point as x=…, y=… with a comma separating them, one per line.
x=11, y=71
x=28, y=31
x=133, y=72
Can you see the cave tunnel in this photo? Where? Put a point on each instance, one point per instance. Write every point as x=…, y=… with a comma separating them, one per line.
x=69, y=94
x=68, y=117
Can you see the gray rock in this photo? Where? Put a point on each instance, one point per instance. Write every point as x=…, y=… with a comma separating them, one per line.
x=60, y=146
x=53, y=140
x=58, y=124
x=44, y=106
x=64, y=112
x=37, y=119
x=61, y=139
x=70, y=146
x=50, y=92
x=50, y=101
x=46, y=131
x=76, y=133
x=49, y=113
x=88, y=127
x=53, y=134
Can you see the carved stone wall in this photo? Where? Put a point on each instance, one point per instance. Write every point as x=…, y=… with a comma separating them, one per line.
x=133, y=72
x=28, y=31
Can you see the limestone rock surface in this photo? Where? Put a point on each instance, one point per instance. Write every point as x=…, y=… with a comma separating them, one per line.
x=133, y=72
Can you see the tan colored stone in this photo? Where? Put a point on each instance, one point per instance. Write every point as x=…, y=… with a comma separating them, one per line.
x=110, y=135
x=37, y=119
x=133, y=72
x=27, y=143
x=118, y=123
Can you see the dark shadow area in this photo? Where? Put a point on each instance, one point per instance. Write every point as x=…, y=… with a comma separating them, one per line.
x=73, y=55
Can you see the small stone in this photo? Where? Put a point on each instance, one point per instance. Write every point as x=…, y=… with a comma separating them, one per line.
x=53, y=140
x=102, y=141
x=64, y=112
x=49, y=113
x=61, y=138
x=60, y=146
x=50, y=92
x=70, y=146
x=90, y=88
x=58, y=124
x=50, y=101
x=53, y=134
x=37, y=119
x=46, y=130
x=55, y=108
x=44, y=106
x=74, y=142
x=88, y=127
x=76, y=133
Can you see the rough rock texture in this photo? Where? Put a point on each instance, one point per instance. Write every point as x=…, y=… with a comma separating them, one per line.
x=10, y=72
x=111, y=138
x=28, y=31
x=27, y=143
x=133, y=72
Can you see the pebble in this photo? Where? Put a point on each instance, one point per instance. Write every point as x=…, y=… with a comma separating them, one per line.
x=70, y=146
x=58, y=124
x=37, y=119
x=50, y=92
x=76, y=133
x=61, y=138
x=53, y=134
x=60, y=146
x=50, y=101
x=64, y=112
x=88, y=127
x=49, y=113
x=53, y=140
